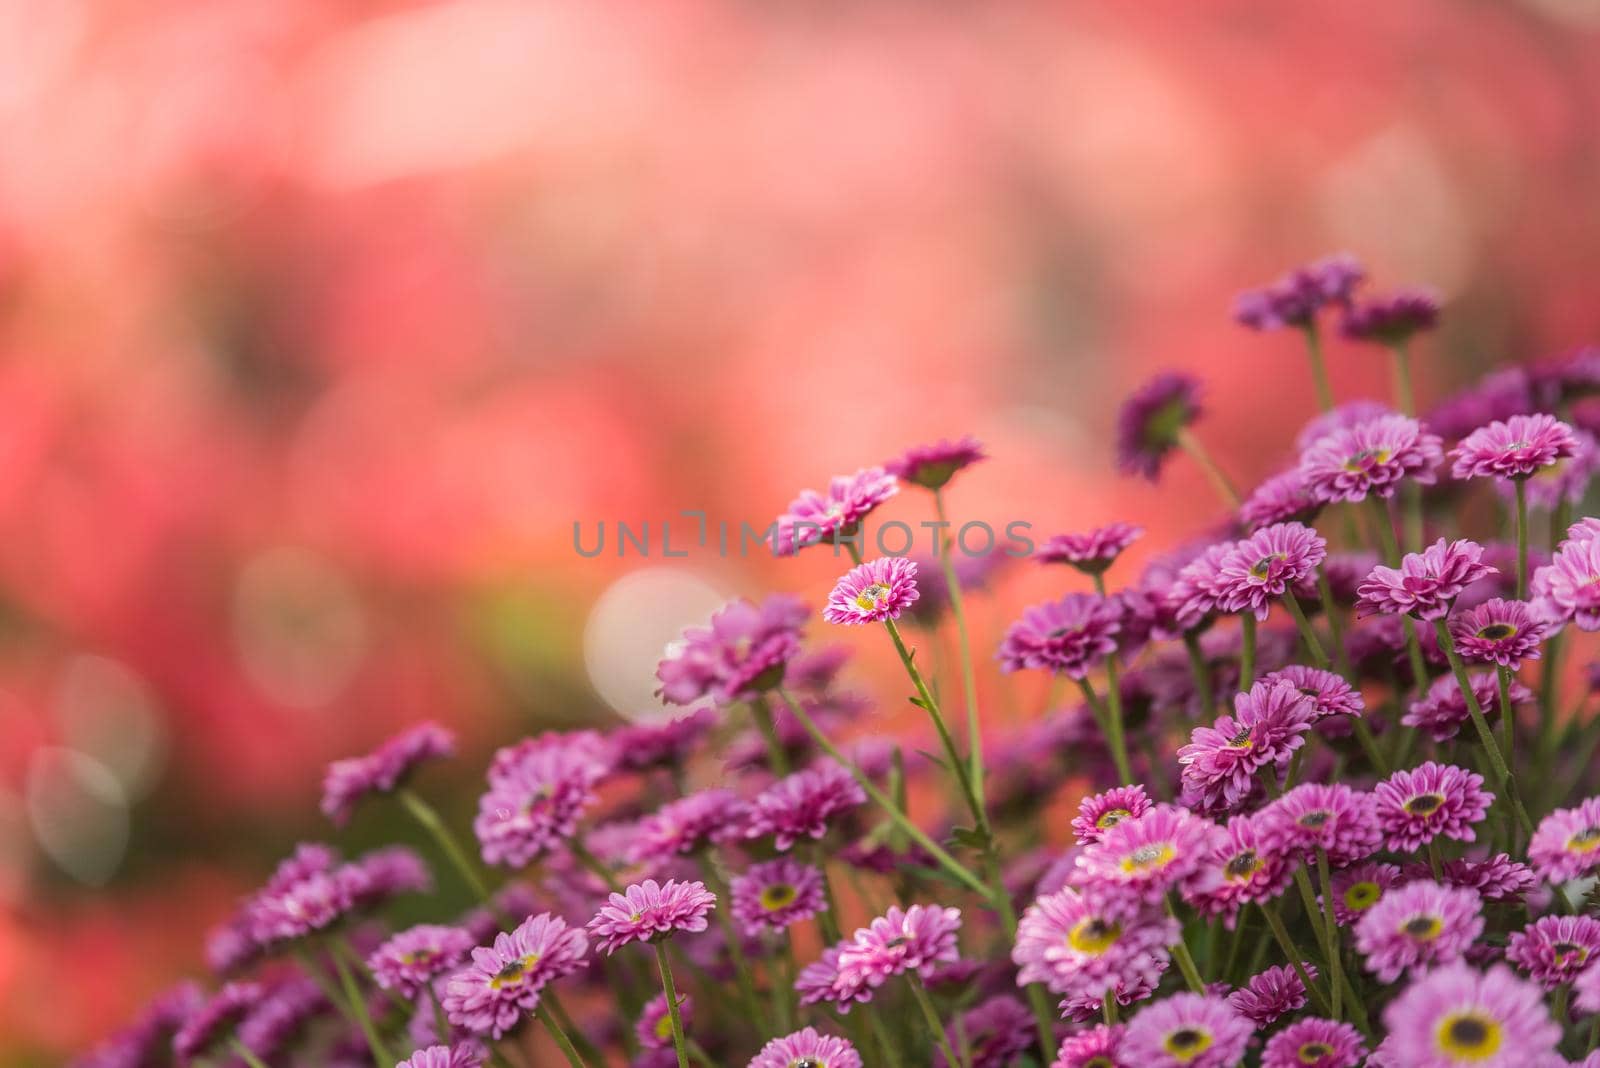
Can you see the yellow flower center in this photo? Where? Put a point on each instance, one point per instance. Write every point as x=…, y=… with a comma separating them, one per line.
x=1468, y=1036
x=1565, y=950
x=1422, y=928
x=778, y=895
x=1187, y=1044
x=1358, y=897
x=1495, y=632
x=1154, y=855
x=513, y=972
x=1112, y=817
x=1424, y=804
x=1312, y=1052
x=1244, y=865
x=1093, y=936
x=1585, y=841
x=869, y=598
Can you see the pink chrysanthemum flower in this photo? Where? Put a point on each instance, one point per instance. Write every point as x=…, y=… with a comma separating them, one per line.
x=1187, y=1031
x=1076, y=948
x=688, y=825
x=807, y=1048
x=1243, y=870
x=1086, y=1008
x=383, y=770
x=410, y=960
x=993, y=1033
x=1283, y=498
x=1499, y=878
x=820, y=981
x=503, y=983
x=1427, y=583
x=1568, y=587
x=1564, y=482
x=1443, y=710
x=772, y=896
x=1330, y=817
x=1430, y=801
x=1098, y=813
x=1092, y=551
x=1194, y=593
x=1275, y=992
x=813, y=518
x=873, y=592
x=1070, y=636
x=1566, y=844
x=654, y=1026
x=1294, y=299
x=1554, y=949
x=1151, y=421
x=461, y=1055
x=802, y=805
x=1098, y=1047
x=741, y=653
x=1455, y=1017
x=666, y=744
x=1391, y=319
x=533, y=803
x=931, y=466
x=1498, y=632
x=651, y=910
x=1417, y=926
x=210, y=1025
x=1339, y=417
x=1513, y=449
x=1267, y=565
x=1313, y=1042
x=1220, y=762
x=148, y=1039
x=899, y=941
x=1137, y=861
x=1330, y=694
x=1359, y=887
x=1371, y=458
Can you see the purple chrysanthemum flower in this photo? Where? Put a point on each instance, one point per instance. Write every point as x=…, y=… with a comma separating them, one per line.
x=1554, y=949
x=533, y=802
x=1498, y=632
x=1275, y=992
x=383, y=770
x=1499, y=878
x=742, y=652
x=1070, y=636
x=641, y=746
x=1283, y=498
x=654, y=1026
x=503, y=982
x=1391, y=319
x=899, y=941
x=773, y=895
x=210, y=1025
x=1193, y=594
x=1371, y=458
x=1098, y=1047
x=411, y=959
x=1151, y=421
x=1076, y=948
x=813, y=518
x=460, y=1055
x=1098, y=813
x=1295, y=299
x=1442, y=710
x=1417, y=805
x=1339, y=417
x=803, y=804
x=1417, y=926
x=807, y=1047
x=1331, y=817
x=1329, y=693
x=1313, y=1042
x=1187, y=1031
x=1455, y=1016
x=931, y=466
x=820, y=981
x=1137, y=861
x=1564, y=482
x=1092, y=551
x=1242, y=870
x=1513, y=449
x=650, y=910
x=1427, y=583
x=873, y=592
x=1566, y=844
x=1220, y=762
x=303, y=896
x=993, y=1033
x=148, y=1039
x=1359, y=887
x=282, y=1016
x=689, y=824
x=1568, y=587
x=1267, y=565
x=1085, y=1008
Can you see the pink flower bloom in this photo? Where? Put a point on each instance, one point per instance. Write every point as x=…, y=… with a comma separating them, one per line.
x=900, y=941
x=1137, y=861
x=654, y=1026
x=1568, y=587
x=1427, y=583
x=1566, y=844
x=1076, y=948
x=689, y=824
x=1498, y=632
x=1242, y=871
x=1513, y=449
x=463, y=1055
x=1283, y=498
x=804, y=804
x=1098, y=1047
x=208, y=1027
x=1391, y=319
x=1220, y=762
x=1315, y=816
x=1092, y=551
x=1340, y=417
x=743, y=652
x=1359, y=887
x=931, y=466
x=813, y=518
x=1267, y=565
x=1098, y=813
x=1499, y=878
x=1456, y=1016
x=776, y=894
x=1274, y=992
x=651, y=910
x=641, y=746
x=1371, y=458
x=1430, y=801
x=383, y=770
x=1070, y=636
x=1554, y=949
x=503, y=983
x=1187, y=1031
x=534, y=800
x=1417, y=926
x=407, y=962
x=1443, y=710
x=807, y=1047
x=873, y=592
x=1196, y=592
x=996, y=1031
x=1565, y=481
x=1086, y=1008
x=1151, y=421
x=1295, y=299
x=821, y=981
x=1329, y=693
x=1313, y=1042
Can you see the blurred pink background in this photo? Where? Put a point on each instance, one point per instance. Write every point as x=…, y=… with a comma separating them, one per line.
x=322, y=323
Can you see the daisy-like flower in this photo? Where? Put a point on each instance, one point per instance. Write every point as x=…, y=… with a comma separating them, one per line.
x=1098, y=813
x=1077, y=948
x=533, y=802
x=281, y=1017
x=1554, y=949
x=1417, y=805
x=1417, y=926
x=1499, y=878
x=802, y=805
x=1137, y=861
x=654, y=1026
x=688, y=825
x=1458, y=1017
x=1187, y=1031
x=1329, y=693
x=873, y=592
x=1513, y=449
x=772, y=896
x=1295, y=299
x=1092, y=551
x=1283, y=498
x=1220, y=762
x=995, y=1031
x=210, y=1025
x=1098, y=1047
x=1267, y=565
x=651, y=910
x=931, y=466
x=807, y=1048
x=1339, y=417
x=813, y=518
x=1427, y=583
x=1274, y=992
x=1242, y=870
x=412, y=959
x=741, y=653
x=1359, y=887
x=1151, y=421
x=503, y=982
x=1313, y=1042
x=641, y=746
x=1370, y=458
x=1498, y=632
x=1084, y=1008
x=1331, y=817
x=1443, y=710
x=462, y=1055
x=1391, y=319
x=148, y=1039
x=899, y=941
x=1568, y=587
x=1566, y=844
x=302, y=898
x=1565, y=481
x=383, y=770
x=1194, y=593
x=820, y=981
x=1070, y=636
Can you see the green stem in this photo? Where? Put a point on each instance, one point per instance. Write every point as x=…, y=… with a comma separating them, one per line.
x=1319, y=370
x=1202, y=675
x=1307, y=635
x=969, y=680
x=586, y=1049
x=1497, y=760
x=581, y=854
x=1508, y=718
x=246, y=1054
x=1247, y=655
x=1404, y=396
x=559, y=1033
x=930, y=1014
x=358, y=1008
x=426, y=815
x=1102, y=718
x=761, y=712
x=1521, y=486
x=1108, y=1007
x=1296, y=958
x=1335, y=961
x=931, y=706
x=741, y=965
x=1218, y=478
x=673, y=1012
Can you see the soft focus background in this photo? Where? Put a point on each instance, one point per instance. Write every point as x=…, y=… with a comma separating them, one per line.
x=322, y=323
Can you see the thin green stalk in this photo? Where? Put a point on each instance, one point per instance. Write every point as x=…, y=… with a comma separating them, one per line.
x=969, y=680
x=930, y=1014
x=1108, y=1007
x=586, y=1049
x=1202, y=675
x=1404, y=395
x=1119, y=741
x=741, y=965
x=931, y=706
x=1335, y=957
x=358, y=1007
x=1319, y=370
x=1497, y=760
x=1247, y=655
x=581, y=854
x=1290, y=950
x=1218, y=478
x=761, y=712
x=558, y=1033
x=1521, y=486
x=426, y=815
x=1307, y=635
x=246, y=1054
x=674, y=1014
x=886, y=1044
x=1102, y=717
x=1369, y=744
x=1330, y=612
x=1508, y=717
